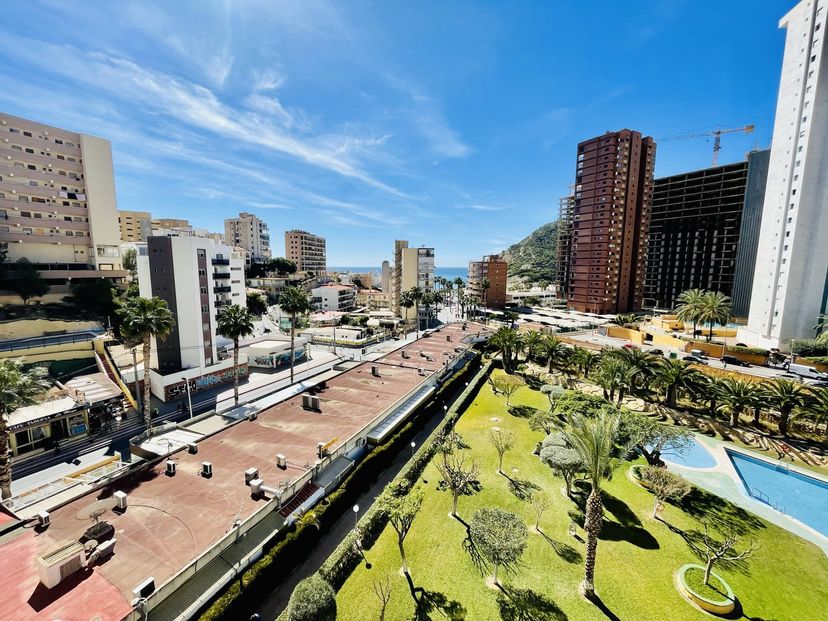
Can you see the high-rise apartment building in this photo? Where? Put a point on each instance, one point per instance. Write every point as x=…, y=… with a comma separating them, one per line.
x=250, y=233
x=385, y=277
x=609, y=221
x=790, y=283
x=57, y=202
x=197, y=278
x=697, y=228
x=170, y=223
x=565, y=220
x=494, y=270
x=413, y=267
x=135, y=226
x=307, y=251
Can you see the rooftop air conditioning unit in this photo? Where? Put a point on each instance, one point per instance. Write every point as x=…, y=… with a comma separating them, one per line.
x=250, y=474
x=206, y=469
x=406, y=355
x=252, y=416
x=281, y=461
x=170, y=469
x=311, y=402
x=421, y=371
x=120, y=500
x=192, y=448
x=145, y=589
x=375, y=370
x=448, y=337
x=43, y=519
x=256, y=486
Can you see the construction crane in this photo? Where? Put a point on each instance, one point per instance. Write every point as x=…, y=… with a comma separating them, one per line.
x=717, y=137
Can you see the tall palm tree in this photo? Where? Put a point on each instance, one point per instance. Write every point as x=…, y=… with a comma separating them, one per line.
x=17, y=389
x=784, y=396
x=235, y=322
x=593, y=439
x=585, y=359
x=143, y=319
x=407, y=301
x=616, y=377
x=674, y=376
x=460, y=284
x=417, y=296
x=473, y=303
x=736, y=396
x=689, y=306
x=554, y=350
x=642, y=363
x=294, y=301
x=533, y=341
x=508, y=342
x=816, y=407
x=485, y=285
x=706, y=388
x=715, y=310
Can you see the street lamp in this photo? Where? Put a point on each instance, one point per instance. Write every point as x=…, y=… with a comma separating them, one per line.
x=189, y=398
x=356, y=516
x=413, y=446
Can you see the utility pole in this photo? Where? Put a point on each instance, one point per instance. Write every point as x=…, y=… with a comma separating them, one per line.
x=135, y=378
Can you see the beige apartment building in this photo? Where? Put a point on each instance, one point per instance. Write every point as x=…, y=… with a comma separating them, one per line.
x=170, y=223
x=413, y=267
x=248, y=232
x=135, y=226
x=57, y=202
x=307, y=251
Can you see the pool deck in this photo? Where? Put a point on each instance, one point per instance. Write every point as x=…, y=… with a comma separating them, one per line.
x=723, y=480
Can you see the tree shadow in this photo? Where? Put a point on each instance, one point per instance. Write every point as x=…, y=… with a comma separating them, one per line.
x=564, y=550
x=609, y=614
x=620, y=510
x=521, y=488
x=428, y=602
x=526, y=605
x=522, y=411
x=627, y=528
x=718, y=512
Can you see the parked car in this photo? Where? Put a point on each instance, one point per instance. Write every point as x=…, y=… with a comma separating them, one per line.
x=695, y=359
x=803, y=370
x=736, y=362
x=630, y=346
x=657, y=352
x=698, y=353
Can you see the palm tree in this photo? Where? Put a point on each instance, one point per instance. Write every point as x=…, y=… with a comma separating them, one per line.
x=594, y=441
x=623, y=319
x=473, y=303
x=689, y=306
x=736, y=396
x=485, y=286
x=235, y=322
x=816, y=407
x=585, y=359
x=715, y=310
x=460, y=284
x=784, y=396
x=533, y=341
x=821, y=330
x=554, y=350
x=674, y=376
x=142, y=320
x=407, y=301
x=508, y=341
x=294, y=301
x=707, y=388
x=615, y=376
x=417, y=296
x=17, y=389
x=642, y=363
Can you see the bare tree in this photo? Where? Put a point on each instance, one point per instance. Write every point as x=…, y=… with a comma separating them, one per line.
x=382, y=589
x=503, y=442
x=664, y=485
x=458, y=474
x=540, y=503
x=724, y=550
x=401, y=511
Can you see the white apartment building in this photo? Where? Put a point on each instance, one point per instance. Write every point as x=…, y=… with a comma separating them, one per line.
x=57, y=201
x=334, y=298
x=385, y=277
x=250, y=233
x=413, y=267
x=197, y=278
x=307, y=250
x=790, y=283
x=135, y=226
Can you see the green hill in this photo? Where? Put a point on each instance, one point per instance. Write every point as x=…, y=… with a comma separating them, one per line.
x=534, y=259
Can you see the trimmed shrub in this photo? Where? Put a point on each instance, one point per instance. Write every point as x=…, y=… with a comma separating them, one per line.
x=753, y=351
x=313, y=599
x=816, y=359
x=809, y=347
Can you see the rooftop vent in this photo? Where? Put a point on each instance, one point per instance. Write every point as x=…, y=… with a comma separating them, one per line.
x=206, y=469
x=192, y=448
x=375, y=370
x=281, y=461
x=250, y=474
x=310, y=402
x=170, y=469
x=120, y=500
x=43, y=519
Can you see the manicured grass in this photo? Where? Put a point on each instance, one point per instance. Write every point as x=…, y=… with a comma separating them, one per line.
x=715, y=591
x=637, y=555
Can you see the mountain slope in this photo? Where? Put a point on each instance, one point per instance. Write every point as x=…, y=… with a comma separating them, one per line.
x=534, y=259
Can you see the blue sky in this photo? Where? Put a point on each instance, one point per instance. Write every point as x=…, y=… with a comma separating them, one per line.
x=452, y=124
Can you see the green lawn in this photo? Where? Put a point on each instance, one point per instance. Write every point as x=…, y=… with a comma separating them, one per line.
x=637, y=555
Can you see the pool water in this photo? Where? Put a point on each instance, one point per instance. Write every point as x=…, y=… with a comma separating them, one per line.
x=802, y=497
x=693, y=456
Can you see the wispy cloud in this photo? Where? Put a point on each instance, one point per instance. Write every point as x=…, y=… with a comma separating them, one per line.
x=258, y=205
x=482, y=207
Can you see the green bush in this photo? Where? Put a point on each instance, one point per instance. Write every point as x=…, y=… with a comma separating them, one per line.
x=809, y=347
x=754, y=351
x=313, y=599
x=816, y=359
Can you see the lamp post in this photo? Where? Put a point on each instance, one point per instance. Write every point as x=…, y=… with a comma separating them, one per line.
x=189, y=398
x=356, y=516
x=413, y=446
x=135, y=378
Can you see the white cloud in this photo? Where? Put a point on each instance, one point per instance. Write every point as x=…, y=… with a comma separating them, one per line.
x=268, y=205
x=481, y=207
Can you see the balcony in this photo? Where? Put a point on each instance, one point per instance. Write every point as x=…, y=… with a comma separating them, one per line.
x=221, y=275
x=221, y=261
x=222, y=289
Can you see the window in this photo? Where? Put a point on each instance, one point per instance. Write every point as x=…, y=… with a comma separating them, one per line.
x=203, y=290
x=29, y=134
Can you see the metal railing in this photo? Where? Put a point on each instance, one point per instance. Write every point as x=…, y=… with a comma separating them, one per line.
x=49, y=341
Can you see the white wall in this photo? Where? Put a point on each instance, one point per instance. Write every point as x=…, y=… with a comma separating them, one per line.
x=99, y=178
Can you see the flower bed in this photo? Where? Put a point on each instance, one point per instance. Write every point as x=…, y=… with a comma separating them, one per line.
x=717, y=597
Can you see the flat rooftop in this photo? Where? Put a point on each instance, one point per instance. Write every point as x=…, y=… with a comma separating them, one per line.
x=171, y=520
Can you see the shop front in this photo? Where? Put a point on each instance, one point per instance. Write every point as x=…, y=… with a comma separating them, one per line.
x=42, y=426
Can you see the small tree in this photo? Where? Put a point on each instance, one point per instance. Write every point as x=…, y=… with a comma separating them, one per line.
x=507, y=384
x=256, y=304
x=313, y=599
x=458, y=475
x=544, y=420
x=540, y=503
x=26, y=281
x=664, y=485
x=130, y=262
x=382, y=589
x=564, y=461
x=401, y=511
x=724, y=550
x=650, y=437
x=503, y=442
x=499, y=536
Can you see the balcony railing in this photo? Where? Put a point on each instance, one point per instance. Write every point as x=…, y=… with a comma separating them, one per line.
x=221, y=275
x=222, y=289
x=221, y=261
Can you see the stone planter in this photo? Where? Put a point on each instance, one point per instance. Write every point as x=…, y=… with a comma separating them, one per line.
x=634, y=474
x=721, y=607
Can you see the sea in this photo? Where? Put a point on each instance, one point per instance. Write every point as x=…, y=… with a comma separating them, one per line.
x=446, y=272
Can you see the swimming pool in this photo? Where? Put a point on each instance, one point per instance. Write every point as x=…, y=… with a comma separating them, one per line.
x=800, y=496
x=695, y=455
